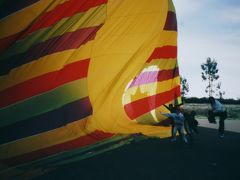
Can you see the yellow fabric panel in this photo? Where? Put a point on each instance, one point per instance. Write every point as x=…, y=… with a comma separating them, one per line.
x=66, y=133
x=10, y=25
x=146, y=119
x=167, y=38
x=120, y=8
x=153, y=116
x=46, y=64
x=130, y=34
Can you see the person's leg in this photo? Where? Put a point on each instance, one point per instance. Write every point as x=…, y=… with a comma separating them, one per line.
x=211, y=117
x=187, y=127
x=174, y=133
x=172, y=127
x=179, y=133
x=190, y=134
x=221, y=125
x=182, y=133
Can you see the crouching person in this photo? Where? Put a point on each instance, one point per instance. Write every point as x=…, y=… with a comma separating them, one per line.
x=218, y=110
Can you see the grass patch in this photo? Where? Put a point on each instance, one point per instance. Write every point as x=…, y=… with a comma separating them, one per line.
x=202, y=110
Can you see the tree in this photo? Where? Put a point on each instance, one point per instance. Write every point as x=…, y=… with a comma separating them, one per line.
x=184, y=87
x=220, y=93
x=209, y=74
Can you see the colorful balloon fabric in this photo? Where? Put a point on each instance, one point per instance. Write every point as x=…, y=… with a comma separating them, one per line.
x=78, y=72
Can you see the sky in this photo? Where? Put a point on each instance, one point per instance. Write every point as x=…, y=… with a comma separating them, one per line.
x=209, y=28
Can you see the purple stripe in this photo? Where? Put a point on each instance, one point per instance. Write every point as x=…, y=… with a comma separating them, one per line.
x=48, y=121
x=171, y=22
x=145, y=78
x=154, y=76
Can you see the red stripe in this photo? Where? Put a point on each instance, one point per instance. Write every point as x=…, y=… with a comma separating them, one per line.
x=44, y=83
x=167, y=74
x=164, y=53
x=70, y=145
x=142, y=106
x=65, y=10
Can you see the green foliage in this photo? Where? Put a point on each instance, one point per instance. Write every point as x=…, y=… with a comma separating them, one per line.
x=184, y=87
x=210, y=74
x=220, y=93
x=196, y=100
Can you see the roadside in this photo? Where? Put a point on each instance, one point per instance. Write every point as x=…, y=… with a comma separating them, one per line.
x=230, y=125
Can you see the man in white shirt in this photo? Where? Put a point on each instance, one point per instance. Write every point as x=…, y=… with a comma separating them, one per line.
x=218, y=110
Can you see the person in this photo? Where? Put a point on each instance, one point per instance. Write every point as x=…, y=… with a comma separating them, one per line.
x=191, y=122
x=172, y=109
x=217, y=110
x=178, y=120
x=191, y=125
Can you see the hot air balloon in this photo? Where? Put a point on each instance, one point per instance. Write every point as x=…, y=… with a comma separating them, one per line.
x=77, y=73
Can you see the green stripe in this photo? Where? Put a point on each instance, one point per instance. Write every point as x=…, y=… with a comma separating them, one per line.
x=58, y=29
x=43, y=103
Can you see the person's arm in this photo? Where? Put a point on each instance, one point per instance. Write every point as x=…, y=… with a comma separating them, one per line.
x=166, y=107
x=169, y=115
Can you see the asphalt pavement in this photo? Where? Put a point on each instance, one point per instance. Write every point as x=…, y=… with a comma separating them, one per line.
x=207, y=158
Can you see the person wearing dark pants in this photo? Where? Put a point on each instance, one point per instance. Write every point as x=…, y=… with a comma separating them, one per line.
x=222, y=116
x=218, y=110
